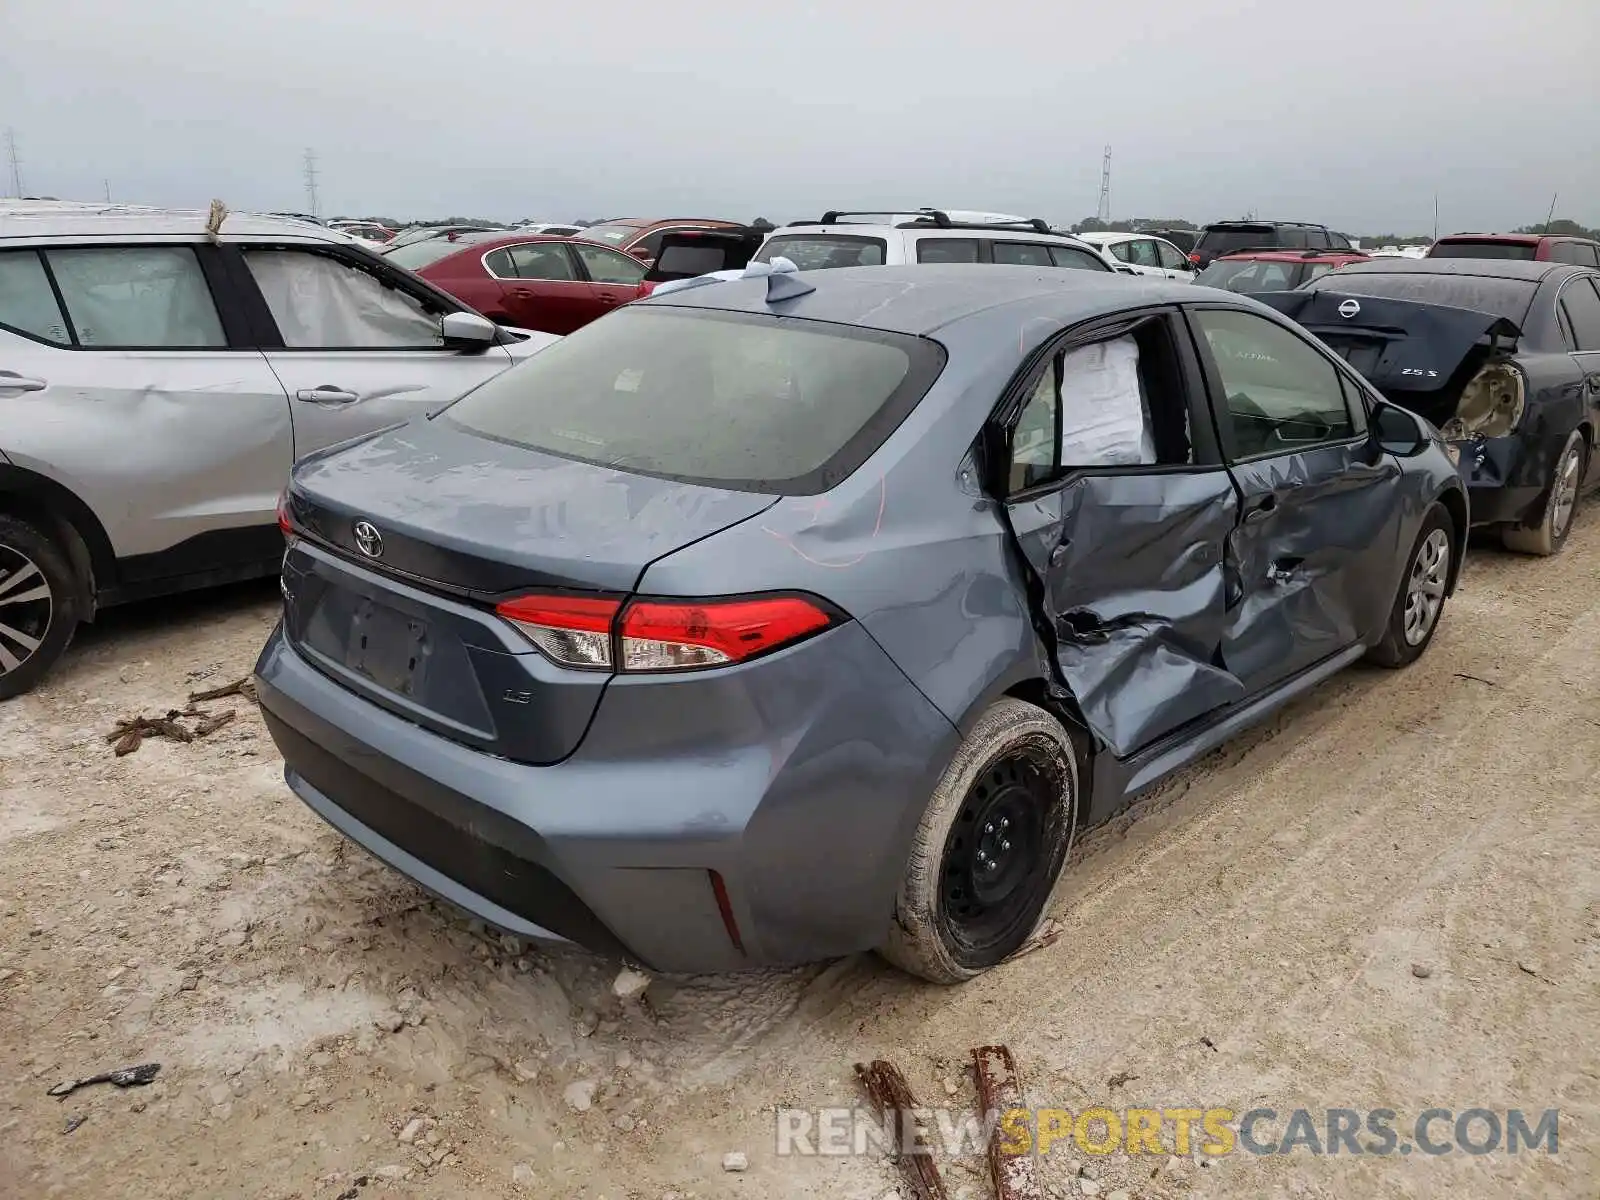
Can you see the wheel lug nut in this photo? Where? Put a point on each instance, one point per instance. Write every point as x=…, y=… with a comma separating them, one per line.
x=989, y=828
x=1005, y=822
x=1005, y=845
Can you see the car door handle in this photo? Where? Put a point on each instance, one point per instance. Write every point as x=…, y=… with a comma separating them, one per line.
x=1261, y=510
x=10, y=381
x=326, y=394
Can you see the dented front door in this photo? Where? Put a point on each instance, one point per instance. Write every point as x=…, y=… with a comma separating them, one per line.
x=1309, y=565
x=1132, y=568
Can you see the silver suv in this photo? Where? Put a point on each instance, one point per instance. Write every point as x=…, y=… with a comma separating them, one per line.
x=158, y=380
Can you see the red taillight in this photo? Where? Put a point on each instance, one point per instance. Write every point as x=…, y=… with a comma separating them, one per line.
x=1194, y=258
x=671, y=635
x=661, y=634
x=285, y=523
x=574, y=631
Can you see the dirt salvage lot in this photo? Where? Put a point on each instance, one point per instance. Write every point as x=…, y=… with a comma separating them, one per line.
x=177, y=905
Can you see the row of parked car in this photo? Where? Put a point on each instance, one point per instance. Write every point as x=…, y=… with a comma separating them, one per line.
x=793, y=611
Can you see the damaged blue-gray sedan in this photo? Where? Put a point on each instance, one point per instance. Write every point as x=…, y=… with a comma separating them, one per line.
x=789, y=617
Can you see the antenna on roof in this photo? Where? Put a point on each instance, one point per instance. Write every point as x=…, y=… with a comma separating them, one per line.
x=1551, y=216
x=782, y=285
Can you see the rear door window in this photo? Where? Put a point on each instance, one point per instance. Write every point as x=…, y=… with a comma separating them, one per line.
x=1022, y=254
x=1142, y=253
x=27, y=303
x=1581, y=304
x=1571, y=252
x=748, y=402
x=543, y=260
x=137, y=297
x=947, y=250
x=1291, y=237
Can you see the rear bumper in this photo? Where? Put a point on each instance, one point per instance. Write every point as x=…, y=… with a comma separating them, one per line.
x=798, y=779
x=1506, y=479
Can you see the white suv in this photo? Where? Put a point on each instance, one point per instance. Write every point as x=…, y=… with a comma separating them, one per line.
x=928, y=235
x=159, y=375
x=1142, y=254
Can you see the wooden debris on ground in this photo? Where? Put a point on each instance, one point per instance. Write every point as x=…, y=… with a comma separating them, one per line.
x=1015, y=1176
x=245, y=687
x=889, y=1091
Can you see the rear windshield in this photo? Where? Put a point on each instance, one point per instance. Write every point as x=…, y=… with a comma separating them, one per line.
x=1226, y=241
x=1513, y=250
x=819, y=251
x=609, y=235
x=743, y=401
x=421, y=254
x=1249, y=275
x=1507, y=298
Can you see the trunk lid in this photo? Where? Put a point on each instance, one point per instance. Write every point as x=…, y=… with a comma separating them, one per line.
x=1420, y=356
x=408, y=540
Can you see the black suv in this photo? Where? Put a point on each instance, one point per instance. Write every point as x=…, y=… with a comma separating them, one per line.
x=1228, y=237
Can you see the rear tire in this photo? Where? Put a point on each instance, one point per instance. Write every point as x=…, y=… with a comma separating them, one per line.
x=38, y=605
x=989, y=848
x=1420, y=602
x=1560, y=506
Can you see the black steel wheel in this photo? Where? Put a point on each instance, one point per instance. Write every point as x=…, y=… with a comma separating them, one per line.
x=989, y=847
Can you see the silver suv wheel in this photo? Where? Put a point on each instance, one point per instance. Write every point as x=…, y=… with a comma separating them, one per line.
x=26, y=608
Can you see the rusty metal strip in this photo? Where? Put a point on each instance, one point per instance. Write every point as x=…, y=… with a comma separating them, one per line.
x=889, y=1091
x=1015, y=1176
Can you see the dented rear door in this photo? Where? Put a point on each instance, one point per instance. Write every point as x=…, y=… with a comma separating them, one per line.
x=1127, y=560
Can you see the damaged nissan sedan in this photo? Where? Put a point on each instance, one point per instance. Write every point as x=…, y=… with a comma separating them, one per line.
x=793, y=616
x=1503, y=356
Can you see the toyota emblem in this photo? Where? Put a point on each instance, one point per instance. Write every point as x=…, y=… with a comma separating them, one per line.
x=1349, y=309
x=368, y=540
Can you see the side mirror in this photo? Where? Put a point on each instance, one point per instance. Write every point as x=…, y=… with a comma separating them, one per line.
x=467, y=331
x=1399, y=432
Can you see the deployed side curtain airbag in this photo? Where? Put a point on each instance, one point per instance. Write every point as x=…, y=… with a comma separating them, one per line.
x=318, y=301
x=1104, y=420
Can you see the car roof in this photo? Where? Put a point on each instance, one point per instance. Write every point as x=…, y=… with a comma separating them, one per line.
x=861, y=230
x=1263, y=223
x=1483, y=268
x=922, y=298
x=493, y=239
x=66, y=218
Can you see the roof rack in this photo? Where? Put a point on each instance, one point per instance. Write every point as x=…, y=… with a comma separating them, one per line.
x=1269, y=221
x=1301, y=251
x=935, y=217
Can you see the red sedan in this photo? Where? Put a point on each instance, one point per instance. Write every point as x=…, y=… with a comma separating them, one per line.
x=552, y=284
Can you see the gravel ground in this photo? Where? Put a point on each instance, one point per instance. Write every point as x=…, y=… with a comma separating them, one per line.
x=1388, y=896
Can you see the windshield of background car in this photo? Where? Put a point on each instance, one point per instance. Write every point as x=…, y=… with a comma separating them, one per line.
x=743, y=401
x=422, y=254
x=819, y=251
x=609, y=235
x=1503, y=250
x=1248, y=275
x=1226, y=241
x=1509, y=298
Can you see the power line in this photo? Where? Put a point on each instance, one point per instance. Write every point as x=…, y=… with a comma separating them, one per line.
x=16, y=162
x=1105, y=187
x=311, y=180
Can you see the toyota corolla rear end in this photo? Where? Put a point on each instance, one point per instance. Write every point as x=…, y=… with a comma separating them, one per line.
x=475, y=681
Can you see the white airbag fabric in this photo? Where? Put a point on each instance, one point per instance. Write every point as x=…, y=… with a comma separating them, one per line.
x=1104, y=422
x=318, y=301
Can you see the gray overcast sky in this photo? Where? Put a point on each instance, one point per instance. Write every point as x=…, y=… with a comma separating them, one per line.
x=1351, y=113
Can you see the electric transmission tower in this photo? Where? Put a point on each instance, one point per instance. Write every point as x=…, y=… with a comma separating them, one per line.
x=311, y=181
x=16, y=163
x=1105, y=187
